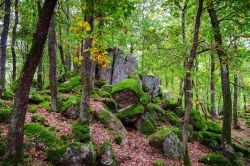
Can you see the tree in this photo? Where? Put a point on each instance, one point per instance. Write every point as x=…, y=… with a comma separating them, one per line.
x=188, y=88
x=15, y=133
x=212, y=87
x=3, y=41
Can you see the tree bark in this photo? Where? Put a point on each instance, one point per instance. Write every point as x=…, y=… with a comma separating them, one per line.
x=13, y=42
x=235, y=101
x=180, y=94
x=53, y=65
x=3, y=46
x=188, y=69
x=212, y=88
x=15, y=133
x=40, y=66
x=68, y=57
x=245, y=101
x=86, y=67
x=224, y=69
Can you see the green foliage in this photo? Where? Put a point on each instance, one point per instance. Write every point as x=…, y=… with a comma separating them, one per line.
x=38, y=119
x=129, y=84
x=146, y=126
x=45, y=105
x=197, y=121
x=71, y=101
x=101, y=83
x=70, y=84
x=118, y=139
x=5, y=114
x=64, y=137
x=32, y=108
x=2, y=104
x=130, y=111
x=158, y=163
x=102, y=93
x=81, y=132
x=104, y=116
x=54, y=153
x=248, y=124
x=210, y=139
x=35, y=130
x=53, y=128
x=213, y=126
x=215, y=159
x=241, y=149
x=173, y=119
x=36, y=98
x=8, y=95
x=2, y=148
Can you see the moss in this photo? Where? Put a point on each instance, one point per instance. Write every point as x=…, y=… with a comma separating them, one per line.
x=191, y=132
x=8, y=95
x=81, y=132
x=157, y=139
x=42, y=134
x=53, y=128
x=146, y=126
x=213, y=126
x=94, y=95
x=241, y=149
x=173, y=119
x=70, y=84
x=2, y=104
x=248, y=124
x=158, y=163
x=36, y=98
x=102, y=93
x=101, y=83
x=131, y=111
x=118, y=139
x=71, y=101
x=129, y=84
x=45, y=105
x=156, y=100
x=197, y=121
x=156, y=112
x=145, y=98
x=32, y=108
x=110, y=103
x=215, y=159
x=64, y=137
x=38, y=119
x=2, y=148
x=5, y=114
x=210, y=139
x=107, y=88
x=77, y=89
x=54, y=153
x=106, y=144
x=104, y=116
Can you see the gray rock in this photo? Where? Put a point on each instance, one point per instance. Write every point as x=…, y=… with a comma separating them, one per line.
x=71, y=113
x=151, y=84
x=107, y=156
x=172, y=146
x=125, y=98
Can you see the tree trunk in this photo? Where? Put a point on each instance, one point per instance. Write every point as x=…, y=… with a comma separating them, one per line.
x=86, y=68
x=68, y=57
x=188, y=69
x=40, y=66
x=53, y=65
x=212, y=88
x=3, y=46
x=15, y=133
x=235, y=102
x=75, y=65
x=13, y=42
x=226, y=93
x=245, y=101
x=60, y=47
x=180, y=94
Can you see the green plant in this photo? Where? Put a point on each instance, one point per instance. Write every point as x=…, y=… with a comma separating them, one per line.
x=38, y=119
x=5, y=114
x=81, y=132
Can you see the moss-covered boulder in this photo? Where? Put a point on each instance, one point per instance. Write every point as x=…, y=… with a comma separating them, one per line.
x=173, y=119
x=210, y=139
x=156, y=112
x=102, y=93
x=81, y=133
x=32, y=108
x=35, y=130
x=158, y=138
x=71, y=107
x=130, y=114
x=197, y=121
x=45, y=105
x=5, y=114
x=146, y=125
x=36, y=118
x=215, y=159
x=158, y=163
x=127, y=92
x=106, y=155
x=110, y=103
x=36, y=98
x=172, y=146
x=110, y=120
x=70, y=84
x=213, y=126
x=2, y=148
x=75, y=153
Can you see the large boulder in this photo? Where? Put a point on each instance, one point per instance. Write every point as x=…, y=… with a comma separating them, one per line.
x=131, y=113
x=71, y=107
x=172, y=146
x=107, y=155
x=151, y=84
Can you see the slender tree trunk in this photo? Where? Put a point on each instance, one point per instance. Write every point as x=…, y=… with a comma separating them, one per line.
x=180, y=94
x=68, y=57
x=75, y=65
x=15, y=133
x=3, y=46
x=212, y=88
x=226, y=93
x=86, y=68
x=13, y=42
x=188, y=69
x=60, y=47
x=40, y=66
x=53, y=65
x=245, y=101
x=235, y=101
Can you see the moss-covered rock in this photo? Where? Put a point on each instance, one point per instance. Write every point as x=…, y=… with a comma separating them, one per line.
x=45, y=105
x=101, y=83
x=8, y=95
x=81, y=133
x=110, y=103
x=77, y=89
x=38, y=119
x=102, y=93
x=173, y=119
x=2, y=148
x=107, y=156
x=158, y=163
x=157, y=139
x=215, y=159
x=35, y=130
x=118, y=139
x=156, y=112
x=213, y=126
x=107, y=88
x=71, y=107
x=241, y=149
x=55, y=153
x=146, y=126
x=129, y=84
x=32, y=108
x=197, y=121
x=70, y=84
x=2, y=104
x=5, y=114
x=131, y=113
x=36, y=98
x=210, y=139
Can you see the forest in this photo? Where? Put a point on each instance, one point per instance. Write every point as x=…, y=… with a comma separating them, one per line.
x=124, y=82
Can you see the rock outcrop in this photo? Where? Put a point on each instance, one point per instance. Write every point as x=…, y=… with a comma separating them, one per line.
x=172, y=146
x=151, y=84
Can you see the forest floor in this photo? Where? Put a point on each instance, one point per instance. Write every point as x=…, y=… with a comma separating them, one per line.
x=134, y=152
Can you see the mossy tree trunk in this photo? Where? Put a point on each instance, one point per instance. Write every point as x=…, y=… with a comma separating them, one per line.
x=235, y=101
x=3, y=45
x=225, y=80
x=86, y=67
x=15, y=133
x=212, y=87
x=68, y=57
x=53, y=65
x=40, y=66
x=188, y=68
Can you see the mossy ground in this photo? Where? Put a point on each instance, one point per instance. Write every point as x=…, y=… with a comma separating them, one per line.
x=70, y=84
x=38, y=119
x=81, y=133
x=215, y=159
